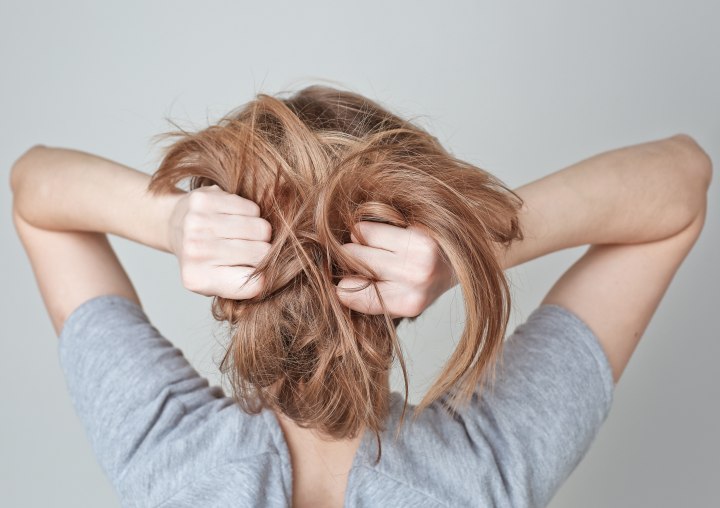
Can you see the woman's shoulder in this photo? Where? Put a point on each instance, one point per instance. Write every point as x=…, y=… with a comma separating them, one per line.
x=519, y=437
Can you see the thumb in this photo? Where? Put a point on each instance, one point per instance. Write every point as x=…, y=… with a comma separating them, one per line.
x=361, y=300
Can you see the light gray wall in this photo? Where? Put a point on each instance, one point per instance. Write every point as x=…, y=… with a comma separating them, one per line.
x=519, y=88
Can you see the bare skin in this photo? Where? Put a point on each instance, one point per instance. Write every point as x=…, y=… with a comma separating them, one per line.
x=639, y=208
x=320, y=466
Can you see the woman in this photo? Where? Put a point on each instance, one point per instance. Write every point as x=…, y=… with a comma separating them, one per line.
x=319, y=222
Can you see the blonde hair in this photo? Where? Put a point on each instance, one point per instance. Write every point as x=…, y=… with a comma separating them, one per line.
x=316, y=163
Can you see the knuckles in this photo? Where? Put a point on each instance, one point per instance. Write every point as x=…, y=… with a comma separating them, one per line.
x=189, y=279
x=193, y=223
x=197, y=199
x=422, y=273
x=264, y=230
x=425, y=256
x=422, y=270
x=413, y=304
x=264, y=249
x=424, y=244
x=192, y=248
x=255, y=286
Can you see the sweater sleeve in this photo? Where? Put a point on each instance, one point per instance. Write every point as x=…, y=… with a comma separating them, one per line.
x=130, y=387
x=552, y=392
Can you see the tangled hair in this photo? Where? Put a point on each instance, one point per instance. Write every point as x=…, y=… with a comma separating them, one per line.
x=316, y=163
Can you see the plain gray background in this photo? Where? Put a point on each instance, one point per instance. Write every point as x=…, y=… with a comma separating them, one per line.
x=518, y=88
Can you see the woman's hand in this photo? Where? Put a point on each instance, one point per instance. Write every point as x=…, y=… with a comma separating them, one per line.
x=218, y=237
x=409, y=261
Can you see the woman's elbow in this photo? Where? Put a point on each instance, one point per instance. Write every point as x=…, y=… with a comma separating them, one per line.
x=696, y=159
x=22, y=162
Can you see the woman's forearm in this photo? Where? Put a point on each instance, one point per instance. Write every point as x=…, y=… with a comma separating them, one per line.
x=62, y=189
x=633, y=194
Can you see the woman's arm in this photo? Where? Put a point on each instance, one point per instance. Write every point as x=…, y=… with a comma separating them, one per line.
x=642, y=209
x=634, y=194
x=64, y=201
x=67, y=190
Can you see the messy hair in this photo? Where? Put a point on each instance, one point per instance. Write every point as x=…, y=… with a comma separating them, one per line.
x=317, y=162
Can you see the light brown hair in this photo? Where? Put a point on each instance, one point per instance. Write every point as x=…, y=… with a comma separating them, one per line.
x=316, y=163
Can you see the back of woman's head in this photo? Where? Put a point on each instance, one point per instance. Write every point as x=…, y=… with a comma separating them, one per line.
x=316, y=163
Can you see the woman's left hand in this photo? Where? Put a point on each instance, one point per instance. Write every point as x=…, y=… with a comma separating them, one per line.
x=218, y=237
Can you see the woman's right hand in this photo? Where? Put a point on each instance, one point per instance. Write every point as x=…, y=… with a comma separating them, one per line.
x=409, y=262
x=217, y=238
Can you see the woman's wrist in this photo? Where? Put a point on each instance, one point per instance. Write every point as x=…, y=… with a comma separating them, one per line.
x=62, y=189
